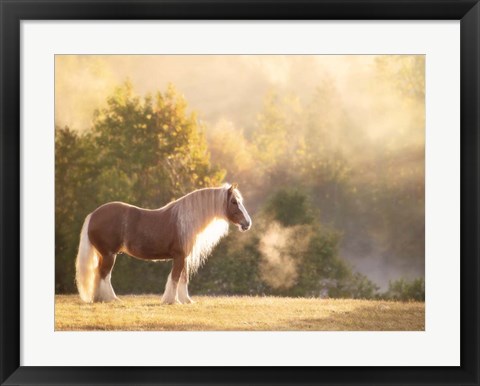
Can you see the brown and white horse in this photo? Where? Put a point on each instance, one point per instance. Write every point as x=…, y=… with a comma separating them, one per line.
x=185, y=230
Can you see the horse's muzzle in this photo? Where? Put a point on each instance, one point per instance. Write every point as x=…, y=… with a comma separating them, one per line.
x=246, y=227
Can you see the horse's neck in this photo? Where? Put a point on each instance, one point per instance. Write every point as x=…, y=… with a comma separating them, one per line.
x=205, y=206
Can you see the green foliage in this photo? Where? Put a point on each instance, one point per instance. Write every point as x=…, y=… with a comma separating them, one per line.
x=150, y=151
x=75, y=172
x=403, y=289
x=232, y=269
x=290, y=207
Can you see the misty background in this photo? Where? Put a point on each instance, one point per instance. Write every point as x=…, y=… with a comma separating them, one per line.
x=328, y=152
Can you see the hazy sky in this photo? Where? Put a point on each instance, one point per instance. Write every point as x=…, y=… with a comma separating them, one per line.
x=218, y=87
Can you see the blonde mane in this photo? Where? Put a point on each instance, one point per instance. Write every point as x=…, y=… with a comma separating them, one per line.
x=201, y=219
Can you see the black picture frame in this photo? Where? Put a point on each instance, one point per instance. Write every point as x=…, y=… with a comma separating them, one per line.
x=14, y=11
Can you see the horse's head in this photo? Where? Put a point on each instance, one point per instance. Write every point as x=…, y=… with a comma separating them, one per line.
x=236, y=212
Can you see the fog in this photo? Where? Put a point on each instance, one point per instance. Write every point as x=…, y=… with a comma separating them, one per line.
x=367, y=111
x=218, y=87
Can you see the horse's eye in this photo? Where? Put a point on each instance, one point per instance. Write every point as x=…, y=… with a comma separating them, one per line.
x=234, y=202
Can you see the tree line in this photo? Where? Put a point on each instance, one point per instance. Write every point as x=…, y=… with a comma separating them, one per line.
x=316, y=185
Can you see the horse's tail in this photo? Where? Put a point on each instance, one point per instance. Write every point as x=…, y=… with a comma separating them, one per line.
x=86, y=265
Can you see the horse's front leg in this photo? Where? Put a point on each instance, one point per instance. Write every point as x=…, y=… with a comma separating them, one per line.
x=170, y=294
x=183, y=296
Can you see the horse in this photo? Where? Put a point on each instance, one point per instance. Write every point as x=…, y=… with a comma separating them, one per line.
x=185, y=231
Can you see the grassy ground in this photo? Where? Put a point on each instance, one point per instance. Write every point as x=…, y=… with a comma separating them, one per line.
x=145, y=312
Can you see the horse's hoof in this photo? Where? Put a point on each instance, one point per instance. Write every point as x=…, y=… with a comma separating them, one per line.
x=186, y=301
x=105, y=300
x=170, y=302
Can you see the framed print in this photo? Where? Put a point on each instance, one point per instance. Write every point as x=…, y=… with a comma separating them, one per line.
x=235, y=192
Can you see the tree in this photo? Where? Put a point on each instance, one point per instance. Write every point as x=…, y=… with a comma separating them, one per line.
x=407, y=72
x=278, y=136
x=290, y=207
x=75, y=197
x=154, y=151
x=404, y=290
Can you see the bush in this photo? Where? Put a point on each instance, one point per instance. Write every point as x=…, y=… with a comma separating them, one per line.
x=406, y=290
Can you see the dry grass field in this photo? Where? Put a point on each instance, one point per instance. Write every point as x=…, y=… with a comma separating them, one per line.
x=145, y=312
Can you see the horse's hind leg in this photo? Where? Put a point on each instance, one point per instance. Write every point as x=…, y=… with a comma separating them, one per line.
x=170, y=294
x=104, y=291
x=183, y=296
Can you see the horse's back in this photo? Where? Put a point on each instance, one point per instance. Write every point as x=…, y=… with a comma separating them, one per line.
x=111, y=211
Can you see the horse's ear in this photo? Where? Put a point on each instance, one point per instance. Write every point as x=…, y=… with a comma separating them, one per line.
x=232, y=188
